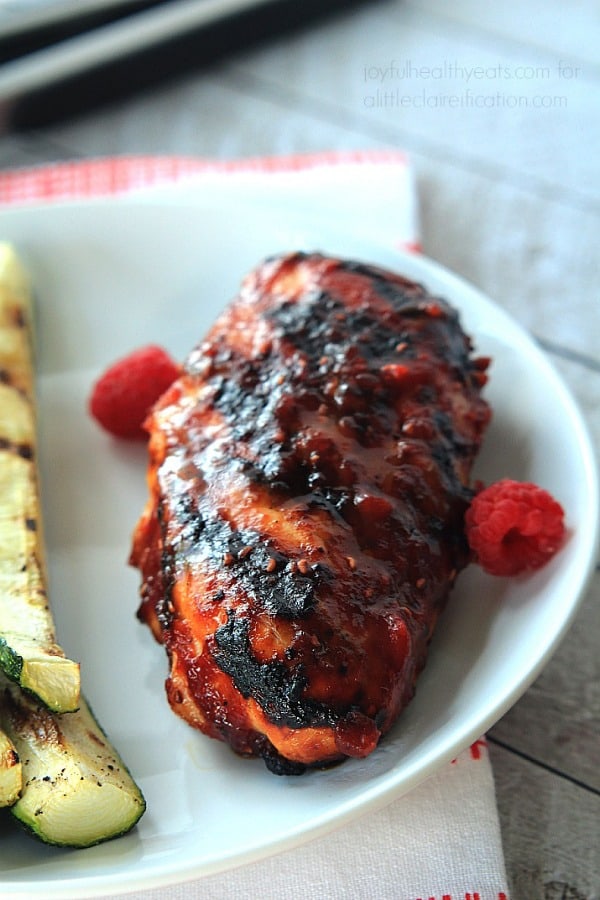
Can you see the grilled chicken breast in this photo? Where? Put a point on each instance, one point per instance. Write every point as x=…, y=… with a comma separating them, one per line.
x=308, y=477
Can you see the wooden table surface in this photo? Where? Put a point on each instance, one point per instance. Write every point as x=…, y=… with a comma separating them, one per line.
x=508, y=178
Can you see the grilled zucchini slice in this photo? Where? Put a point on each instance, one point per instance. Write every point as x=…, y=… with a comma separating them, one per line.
x=76, y=790
x=29, y=652
x=11, y=771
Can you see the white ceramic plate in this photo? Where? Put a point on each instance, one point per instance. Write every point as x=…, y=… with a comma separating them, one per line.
x=111, y=276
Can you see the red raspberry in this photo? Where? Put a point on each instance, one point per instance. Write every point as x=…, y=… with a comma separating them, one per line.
x=125, y=393
x=513, y=526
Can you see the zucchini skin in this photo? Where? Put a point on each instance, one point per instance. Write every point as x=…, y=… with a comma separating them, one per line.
x=11, y=662
x=77, y=790
x=58, y=688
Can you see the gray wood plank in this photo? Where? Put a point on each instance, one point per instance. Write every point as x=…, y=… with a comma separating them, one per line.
x=545, y=24
x=551, y=832
x=533, y=256
x=558, y=720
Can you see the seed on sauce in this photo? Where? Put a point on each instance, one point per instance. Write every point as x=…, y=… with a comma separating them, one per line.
x=421, y=428
x=394, y=373
x=228, y=558
x=303, y=566
x=434, y=310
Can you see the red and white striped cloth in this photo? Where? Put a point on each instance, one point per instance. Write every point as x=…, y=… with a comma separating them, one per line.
x=442, y=840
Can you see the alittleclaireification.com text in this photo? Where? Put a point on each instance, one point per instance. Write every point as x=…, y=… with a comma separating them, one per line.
x=449, y=84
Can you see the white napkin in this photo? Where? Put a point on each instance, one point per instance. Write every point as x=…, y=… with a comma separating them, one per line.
x=441, y=841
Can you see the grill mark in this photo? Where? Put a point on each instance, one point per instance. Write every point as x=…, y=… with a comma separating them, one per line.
x=275, y=687
x=11, y=380
x=320, y=325
x=164, y=603
x=23, y=449
x=19, y=317
x=259, y=569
